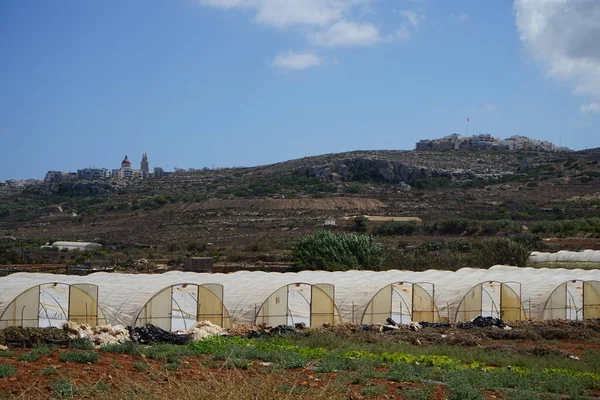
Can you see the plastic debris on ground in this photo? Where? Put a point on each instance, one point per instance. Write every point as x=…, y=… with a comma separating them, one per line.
x=482, y=322
x=101, y=335
x=149, y=334
x=203, y=330
x=266, y=332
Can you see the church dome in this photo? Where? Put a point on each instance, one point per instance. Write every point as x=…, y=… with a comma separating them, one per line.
x=126, y=163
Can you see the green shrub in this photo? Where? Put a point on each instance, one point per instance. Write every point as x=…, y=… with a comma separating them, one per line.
x=79, y=356
x=361, y=223
x=394, y=228
x=330, y=251
x=455, y=226
x=502, y=251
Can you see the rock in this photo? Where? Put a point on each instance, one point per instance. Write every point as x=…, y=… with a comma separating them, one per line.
x=404, y=186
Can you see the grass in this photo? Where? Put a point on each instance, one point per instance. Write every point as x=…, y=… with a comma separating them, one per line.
x=79, y=356
x=343, y=366
x=35, y=354
x=373, y=390
x=7, y=371
x=49, y=370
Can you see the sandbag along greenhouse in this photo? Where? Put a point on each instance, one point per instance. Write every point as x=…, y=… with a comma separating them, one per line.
x=175, y=300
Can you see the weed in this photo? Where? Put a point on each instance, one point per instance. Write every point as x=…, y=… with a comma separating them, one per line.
x=140, y=366
x=63, y=388
x=82, y=343
x=125, y=348
x=79, y=356
x=373, y=390
x=49, y=370
x=6, y=353
x=465, y=392
x=7, y=370
x=35, y=354
x=237, y=363
x=418, y=393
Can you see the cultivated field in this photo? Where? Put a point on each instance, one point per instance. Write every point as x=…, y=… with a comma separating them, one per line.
x=553, y=360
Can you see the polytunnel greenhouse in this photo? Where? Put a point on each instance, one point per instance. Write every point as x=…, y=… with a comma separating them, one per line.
x=49, y=304
x=403, y=302
x=174, y=300
x=492, y=299
x=575, y=300
x=180, y=306
x=565, y=256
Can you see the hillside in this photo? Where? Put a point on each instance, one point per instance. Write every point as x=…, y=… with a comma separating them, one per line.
x=265, y=208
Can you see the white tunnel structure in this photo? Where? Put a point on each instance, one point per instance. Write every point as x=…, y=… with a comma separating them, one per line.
x=49, y=305
x=565, y=256
x=248, y=297
x=403, y=302
x=575, y=300
x=299, y=303
x=492, y=299
x=178, y=307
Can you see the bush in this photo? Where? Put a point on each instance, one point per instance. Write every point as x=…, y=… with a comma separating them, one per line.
x=335, y=252
x=360, y=223
x=393, y=228
x=79, y=356
x=503, y=251
x=452, y=227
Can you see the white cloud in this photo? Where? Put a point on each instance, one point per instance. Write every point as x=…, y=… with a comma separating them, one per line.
x=402, y=34
x=591, y=107
x=297, y=61
x=344, y=33
x=565, y=36
x=286, y=13
x=412, y=17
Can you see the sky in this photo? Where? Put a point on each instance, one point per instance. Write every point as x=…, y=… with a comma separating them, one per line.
x=223, y=83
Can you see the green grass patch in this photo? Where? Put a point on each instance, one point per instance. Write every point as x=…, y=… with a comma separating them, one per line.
x=36, y=353
x=7, y=371
x=47, y=371
x=79, y=356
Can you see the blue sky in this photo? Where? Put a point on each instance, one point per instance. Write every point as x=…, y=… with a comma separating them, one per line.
x=198, y=83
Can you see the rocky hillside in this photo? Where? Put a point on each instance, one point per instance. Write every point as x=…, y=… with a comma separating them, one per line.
x=292, y=198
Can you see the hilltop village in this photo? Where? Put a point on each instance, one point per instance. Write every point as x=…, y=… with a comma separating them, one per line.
x=486, y=141
x=91, y=174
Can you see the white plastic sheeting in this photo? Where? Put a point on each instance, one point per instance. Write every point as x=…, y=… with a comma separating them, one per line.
x=565, y=256
x=83, y=246
x=122, y=296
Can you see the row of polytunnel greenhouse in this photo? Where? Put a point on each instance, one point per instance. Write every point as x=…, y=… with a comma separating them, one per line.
x=176, y=300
